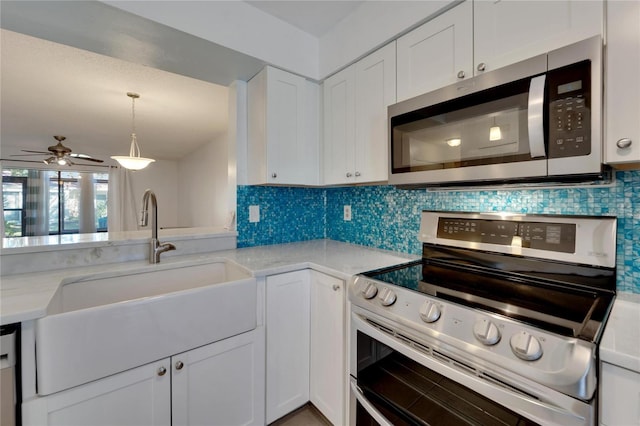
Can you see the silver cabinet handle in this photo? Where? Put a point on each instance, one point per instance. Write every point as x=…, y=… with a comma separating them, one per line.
x=336, y=287
x=349, y=174
x=162, y=371
x=481, y=66
x=357, y=174
x=179, y=365
x=274, y=175
x=624, y=143
x=461, y=74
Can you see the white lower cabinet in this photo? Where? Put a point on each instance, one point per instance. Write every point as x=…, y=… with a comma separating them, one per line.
x=619, y=396
x=327, y=368
x=287, y=324
x=218, y=384
x=140, y=396
x=305, y=344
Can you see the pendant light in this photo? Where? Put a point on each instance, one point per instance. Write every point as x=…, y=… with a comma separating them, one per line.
x=133, y=161
x=495, y=134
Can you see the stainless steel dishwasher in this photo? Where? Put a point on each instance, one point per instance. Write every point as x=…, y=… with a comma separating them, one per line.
x=8, y=375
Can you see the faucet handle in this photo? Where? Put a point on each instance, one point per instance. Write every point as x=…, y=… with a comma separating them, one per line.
x=166, y=247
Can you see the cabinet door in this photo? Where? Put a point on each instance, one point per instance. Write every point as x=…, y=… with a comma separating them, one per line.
x=505, y=32
x=283, y=128
x=327, y=370
x=375, y=90
x=619, y=396
x=437, y=53
x=221, y=383
x=140, y=396
x=339, y=127
x=622, y=83
x=287, y=325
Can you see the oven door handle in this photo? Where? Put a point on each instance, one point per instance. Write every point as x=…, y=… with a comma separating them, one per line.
x=373, y=411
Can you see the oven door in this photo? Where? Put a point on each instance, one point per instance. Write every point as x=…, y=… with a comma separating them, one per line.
x=399, y=381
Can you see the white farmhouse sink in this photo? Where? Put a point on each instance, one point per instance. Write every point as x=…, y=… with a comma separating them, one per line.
x=101, y=324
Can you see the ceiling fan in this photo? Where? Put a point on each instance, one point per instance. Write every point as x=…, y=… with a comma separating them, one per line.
x=59, y=154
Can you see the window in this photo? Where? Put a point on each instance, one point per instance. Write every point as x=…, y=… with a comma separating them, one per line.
x=41, y=202
x=14, y=195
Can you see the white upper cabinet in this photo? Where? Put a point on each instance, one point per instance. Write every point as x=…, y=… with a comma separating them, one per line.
x=339, y=127
x=355, y=119
x=505, y=32
x=622, y=103
x=375, y=91
x=283, y=129
x=437, y=53
x=480, y=36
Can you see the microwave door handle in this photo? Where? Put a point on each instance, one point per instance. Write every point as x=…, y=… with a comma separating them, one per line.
x=535, y=116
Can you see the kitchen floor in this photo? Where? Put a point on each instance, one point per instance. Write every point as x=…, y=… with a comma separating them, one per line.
x=307, y=415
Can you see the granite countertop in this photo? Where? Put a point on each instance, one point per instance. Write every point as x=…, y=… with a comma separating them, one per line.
x=45, y=243
x=25, y=297
x=621, y=340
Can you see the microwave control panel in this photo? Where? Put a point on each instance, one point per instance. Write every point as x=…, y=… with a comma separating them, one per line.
x=569, y=110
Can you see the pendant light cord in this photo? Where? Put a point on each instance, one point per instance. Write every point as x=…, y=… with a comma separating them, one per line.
x=134, y=151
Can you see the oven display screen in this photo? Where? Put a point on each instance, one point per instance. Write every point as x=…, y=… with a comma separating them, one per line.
x=559, y=237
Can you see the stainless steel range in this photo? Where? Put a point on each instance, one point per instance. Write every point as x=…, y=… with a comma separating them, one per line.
x=498, y=323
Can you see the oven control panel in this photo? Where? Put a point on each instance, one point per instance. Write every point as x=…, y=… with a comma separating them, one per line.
x=558, y=237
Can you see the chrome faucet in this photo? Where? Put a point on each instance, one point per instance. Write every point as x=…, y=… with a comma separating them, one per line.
x=155, y=248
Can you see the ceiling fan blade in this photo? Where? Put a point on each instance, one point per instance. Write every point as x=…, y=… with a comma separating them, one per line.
x=85, y=157
x=28, y=155
x=36, y=152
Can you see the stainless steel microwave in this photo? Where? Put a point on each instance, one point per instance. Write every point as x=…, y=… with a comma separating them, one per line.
x=539, y=120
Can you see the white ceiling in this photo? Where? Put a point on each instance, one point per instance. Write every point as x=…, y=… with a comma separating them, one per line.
x=52, y=89
x=313, y=17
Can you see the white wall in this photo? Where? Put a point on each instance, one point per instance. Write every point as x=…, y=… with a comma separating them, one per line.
x=162, y=178
x=202, y=186
x=237, y=144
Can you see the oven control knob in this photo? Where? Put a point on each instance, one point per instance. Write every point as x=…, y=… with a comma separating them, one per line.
x=487, y=332
x=386, y=296
x=370, y=290
x=525, y=346
x=429, y=312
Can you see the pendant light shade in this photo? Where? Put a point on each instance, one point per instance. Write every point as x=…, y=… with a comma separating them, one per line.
x=495, y=133
x=134, y=161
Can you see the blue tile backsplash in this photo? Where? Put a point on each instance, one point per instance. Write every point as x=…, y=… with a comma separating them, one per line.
x=388, y=218
x=286, y=215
